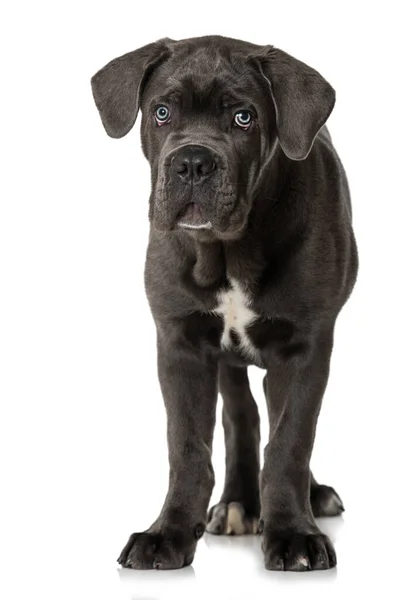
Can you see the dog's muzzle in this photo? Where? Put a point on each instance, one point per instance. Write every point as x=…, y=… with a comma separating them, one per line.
x=195, y=189
x=193, y=170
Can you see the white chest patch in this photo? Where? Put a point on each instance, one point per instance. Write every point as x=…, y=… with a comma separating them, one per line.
x=234, y=308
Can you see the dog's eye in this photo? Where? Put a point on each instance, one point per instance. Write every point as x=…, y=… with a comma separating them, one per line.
x=162, y=115
x=243, y=119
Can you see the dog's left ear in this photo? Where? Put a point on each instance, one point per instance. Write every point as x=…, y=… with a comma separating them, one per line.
x=303, y=100
x=117, y=86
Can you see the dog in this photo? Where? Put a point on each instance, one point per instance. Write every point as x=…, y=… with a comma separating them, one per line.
x=251, y=257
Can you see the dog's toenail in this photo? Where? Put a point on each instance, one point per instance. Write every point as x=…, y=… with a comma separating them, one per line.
x=303, y=561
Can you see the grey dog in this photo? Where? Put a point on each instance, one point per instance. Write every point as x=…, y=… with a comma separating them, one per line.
x=251, y=257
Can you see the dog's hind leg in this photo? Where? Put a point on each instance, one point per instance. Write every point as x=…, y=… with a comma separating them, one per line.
x=239, y=509
x=325, y=501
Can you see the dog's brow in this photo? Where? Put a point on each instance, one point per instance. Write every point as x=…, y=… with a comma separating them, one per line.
x=174, y=86
x=229, y=100
x=173, y=94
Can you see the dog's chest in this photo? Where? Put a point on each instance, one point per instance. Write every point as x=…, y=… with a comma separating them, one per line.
x=234, y=306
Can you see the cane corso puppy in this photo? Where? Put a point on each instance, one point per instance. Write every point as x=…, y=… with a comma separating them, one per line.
x=251, y=257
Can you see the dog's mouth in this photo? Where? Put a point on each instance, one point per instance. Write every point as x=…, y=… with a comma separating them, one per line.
x=192, y=217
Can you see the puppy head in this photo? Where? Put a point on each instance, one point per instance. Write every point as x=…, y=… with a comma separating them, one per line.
x=213, y=112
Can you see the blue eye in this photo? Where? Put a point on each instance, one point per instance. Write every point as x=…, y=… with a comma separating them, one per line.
x=243, y=119
x=162, y=114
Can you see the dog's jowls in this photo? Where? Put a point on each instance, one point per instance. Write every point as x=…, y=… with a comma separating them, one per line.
x=250, y=260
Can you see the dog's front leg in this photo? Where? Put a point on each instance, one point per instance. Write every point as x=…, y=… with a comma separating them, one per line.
x=189, y=385
x=296, y=384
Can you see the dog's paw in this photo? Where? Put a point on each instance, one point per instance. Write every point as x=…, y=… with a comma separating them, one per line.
x=292, y=551
x=170, y=548
x=325, y=502
x=230, y=519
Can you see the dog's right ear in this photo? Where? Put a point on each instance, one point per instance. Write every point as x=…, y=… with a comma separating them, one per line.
x=117, y=87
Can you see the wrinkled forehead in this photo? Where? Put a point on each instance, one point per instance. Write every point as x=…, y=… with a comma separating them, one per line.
x=206, y=76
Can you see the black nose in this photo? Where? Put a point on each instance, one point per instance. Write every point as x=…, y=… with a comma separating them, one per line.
x=193, y=163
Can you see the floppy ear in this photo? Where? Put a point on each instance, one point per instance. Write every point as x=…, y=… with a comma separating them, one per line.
x=117, y=86
x=303, y=100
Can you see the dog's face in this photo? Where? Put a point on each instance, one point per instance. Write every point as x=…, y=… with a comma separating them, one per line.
x=214, y=110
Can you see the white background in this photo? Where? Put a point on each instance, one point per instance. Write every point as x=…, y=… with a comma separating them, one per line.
x=82, y=423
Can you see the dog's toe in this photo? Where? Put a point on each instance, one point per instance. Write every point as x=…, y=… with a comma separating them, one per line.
x=230, y=519
x=291, y=551
x=170, y=548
